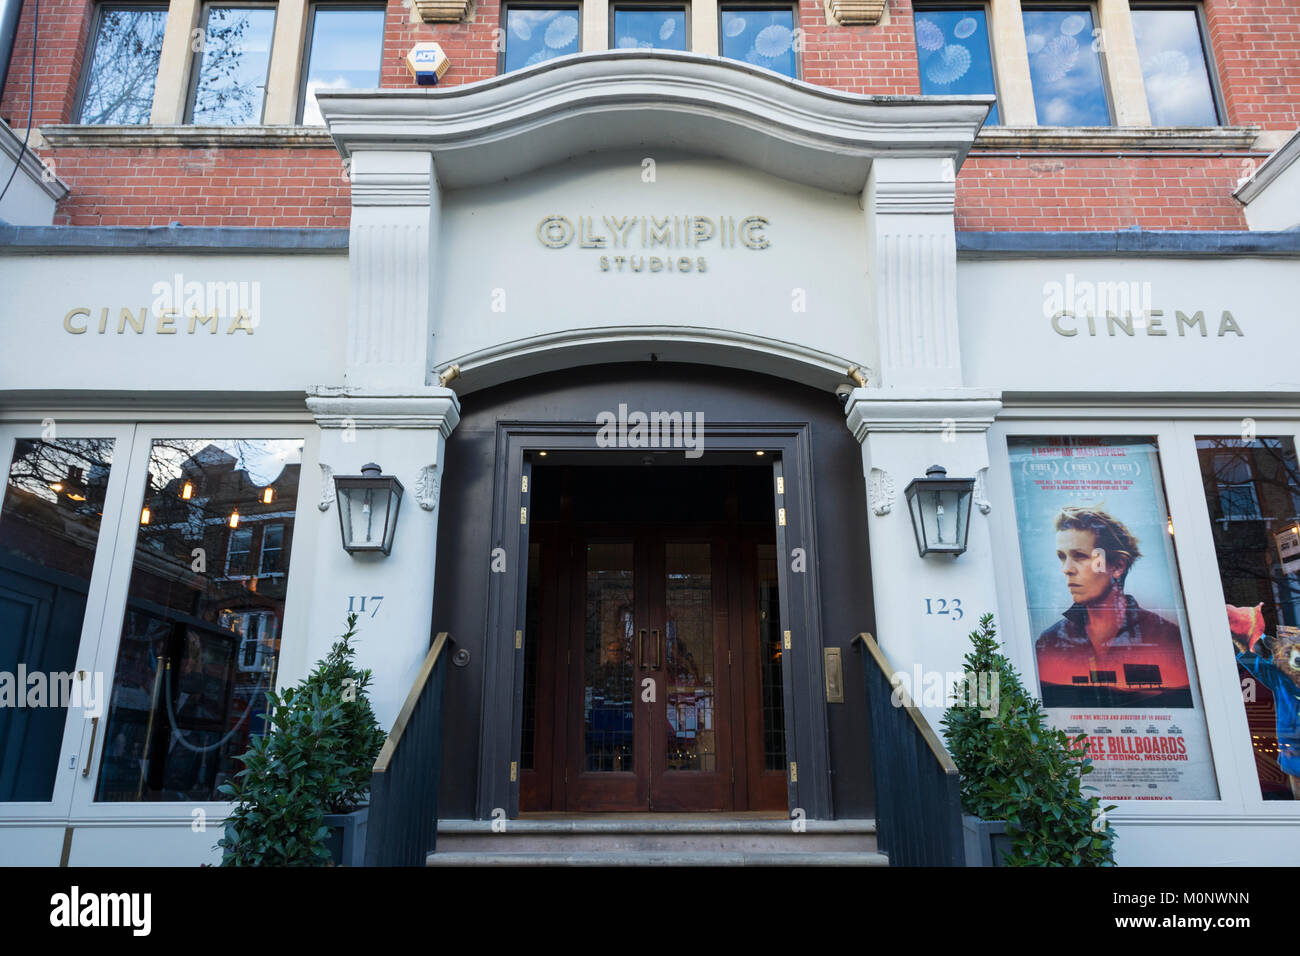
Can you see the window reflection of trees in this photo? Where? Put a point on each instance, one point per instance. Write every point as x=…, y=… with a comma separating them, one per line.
x=221, y=97
x=124, y=69
x=40, y=465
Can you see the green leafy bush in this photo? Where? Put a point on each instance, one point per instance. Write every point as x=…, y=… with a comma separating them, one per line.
x=1017, y=768
x=317, y=759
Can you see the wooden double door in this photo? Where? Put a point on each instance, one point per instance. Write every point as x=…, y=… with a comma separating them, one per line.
x=656, y=670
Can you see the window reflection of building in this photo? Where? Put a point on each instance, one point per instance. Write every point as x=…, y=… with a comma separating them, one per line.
x=49, y=527
x=205, y=609
x=1252, y=490
x=688, y=639
x=609, y=667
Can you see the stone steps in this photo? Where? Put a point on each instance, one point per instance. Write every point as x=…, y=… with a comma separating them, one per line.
x=657, y=840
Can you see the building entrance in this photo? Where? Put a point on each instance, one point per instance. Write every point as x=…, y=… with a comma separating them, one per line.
x=652, y=676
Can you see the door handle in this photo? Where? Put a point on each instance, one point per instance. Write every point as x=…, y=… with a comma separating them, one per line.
x=640, y=648
x=90, y=754
x=654, y=639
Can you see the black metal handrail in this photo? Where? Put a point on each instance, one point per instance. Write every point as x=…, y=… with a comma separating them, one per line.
x=402, y=828
x=918, y=788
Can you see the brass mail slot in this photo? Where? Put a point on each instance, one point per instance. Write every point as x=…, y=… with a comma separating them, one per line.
x=834, y=666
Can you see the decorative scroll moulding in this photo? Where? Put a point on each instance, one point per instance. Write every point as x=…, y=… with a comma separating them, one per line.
x=855, y=13
x=443, y=11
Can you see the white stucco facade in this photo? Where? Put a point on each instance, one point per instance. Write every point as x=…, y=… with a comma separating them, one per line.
x=811, y=238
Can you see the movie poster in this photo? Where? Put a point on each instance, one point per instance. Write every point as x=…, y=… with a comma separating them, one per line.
x=1112, y=644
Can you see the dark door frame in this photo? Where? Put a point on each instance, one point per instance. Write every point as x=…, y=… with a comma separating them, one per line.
x=807, y=740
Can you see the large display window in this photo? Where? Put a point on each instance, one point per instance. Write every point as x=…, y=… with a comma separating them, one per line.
x=145, y=581
x=1112, y=641
x=200, y=636
x=1252, y=497
x=1153, y=595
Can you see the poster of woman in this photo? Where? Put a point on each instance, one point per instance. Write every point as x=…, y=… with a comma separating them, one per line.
x=1106, y=649
x=1112, y=644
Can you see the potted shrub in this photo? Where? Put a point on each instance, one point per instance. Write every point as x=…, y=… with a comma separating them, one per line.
x=1021, y=779
x=300, y=795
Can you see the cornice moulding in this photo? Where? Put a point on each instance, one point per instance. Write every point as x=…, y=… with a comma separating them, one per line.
x=11, y=147
x=1142, y=138
x=512, y=124
x=340, y=408
x=507, y=361
x=960, y=410
x=184, y=136
x=1277, y=163
x=935, y=197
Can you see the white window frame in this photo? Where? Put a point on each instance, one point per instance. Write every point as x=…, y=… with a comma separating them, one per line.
x=76, y=728
x=73, y=804
x=261, y=550
x=230, y=538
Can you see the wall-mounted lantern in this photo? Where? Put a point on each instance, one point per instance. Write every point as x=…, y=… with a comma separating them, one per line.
x=940, y=508
x=368, y=505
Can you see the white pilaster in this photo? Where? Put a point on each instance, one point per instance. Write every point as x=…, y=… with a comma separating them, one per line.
x=902, y=434
x=912, y=249
x=393, y=245
x=405, y=432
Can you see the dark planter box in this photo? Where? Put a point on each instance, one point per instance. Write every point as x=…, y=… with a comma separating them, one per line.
x=347, y=839
x=986, y=841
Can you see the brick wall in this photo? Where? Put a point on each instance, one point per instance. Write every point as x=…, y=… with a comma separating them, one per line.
x=210, y=187
x=62, y=40
x=879, y=59
x=1087, y=193
x=469, y=44
x=1256, y=45
x=1257, y=52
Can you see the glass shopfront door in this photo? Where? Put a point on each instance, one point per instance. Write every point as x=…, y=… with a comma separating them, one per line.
x=143, y=593
x=64, y=488
x=653, y=675
x=651, y=728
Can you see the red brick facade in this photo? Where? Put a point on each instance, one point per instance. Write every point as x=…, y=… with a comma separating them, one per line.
x=203, y=187
x=1256, y=47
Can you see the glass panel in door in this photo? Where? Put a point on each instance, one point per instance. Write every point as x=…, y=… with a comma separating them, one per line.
x=769, y=650
x=50, y=526
x=609, y=715
x=689, y=650
x=200, y=637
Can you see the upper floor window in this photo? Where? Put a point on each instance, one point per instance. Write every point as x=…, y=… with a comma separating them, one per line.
x=1065, y=67
x=764, y=36
x=119, y=82
x=271, y=560
x=535, y=34
x=952, y=51
x=239, y=548
x=644, y=26
x=233, y=60
x=1175, y=67
x=345, y=47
